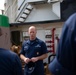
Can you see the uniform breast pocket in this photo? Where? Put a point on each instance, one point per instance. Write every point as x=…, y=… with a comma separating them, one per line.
x=26, y=48
x=38, y=51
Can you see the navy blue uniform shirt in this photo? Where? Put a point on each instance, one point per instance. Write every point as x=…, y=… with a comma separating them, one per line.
x=9, y=63
x=33, y=49
x=65, y=61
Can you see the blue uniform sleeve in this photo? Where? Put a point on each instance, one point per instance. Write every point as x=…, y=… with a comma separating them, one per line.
x=44, y=48
x=22, y=50
x=17, y=66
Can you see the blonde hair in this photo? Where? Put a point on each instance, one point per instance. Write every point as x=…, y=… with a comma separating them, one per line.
x=15, y=49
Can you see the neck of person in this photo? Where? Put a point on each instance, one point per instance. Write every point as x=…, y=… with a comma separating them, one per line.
x=32, y=39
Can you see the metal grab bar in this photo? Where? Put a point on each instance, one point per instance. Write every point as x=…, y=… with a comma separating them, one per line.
x=50, y=58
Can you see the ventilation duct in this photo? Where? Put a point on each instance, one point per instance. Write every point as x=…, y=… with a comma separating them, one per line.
x=36, y=1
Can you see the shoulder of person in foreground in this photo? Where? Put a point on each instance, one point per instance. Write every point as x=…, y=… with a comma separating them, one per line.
x=69, y=27
x=71, y=20
x=62, y=65
x=17, y=67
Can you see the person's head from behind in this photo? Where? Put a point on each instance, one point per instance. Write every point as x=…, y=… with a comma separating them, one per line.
x=4, y=38
x=15, y=49
x=32, y=32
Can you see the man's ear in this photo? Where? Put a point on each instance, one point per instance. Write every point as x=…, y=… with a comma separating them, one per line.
x=0, y=31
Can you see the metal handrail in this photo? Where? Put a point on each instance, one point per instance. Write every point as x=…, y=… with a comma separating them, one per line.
x=22, y=10
x=21, y=5
x=7, y=9
x=14, y=9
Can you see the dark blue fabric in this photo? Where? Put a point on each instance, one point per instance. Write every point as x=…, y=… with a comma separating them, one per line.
x=69, y=1
x=9, y=63
x=66, y=51
x=33, y=49
x=57, y=69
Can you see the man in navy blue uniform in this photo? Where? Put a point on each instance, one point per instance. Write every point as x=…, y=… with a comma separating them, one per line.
x=33, y=52
x=65, y=60
x=9, y=61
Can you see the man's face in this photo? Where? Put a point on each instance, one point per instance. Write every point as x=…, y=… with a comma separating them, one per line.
x=32, y=33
